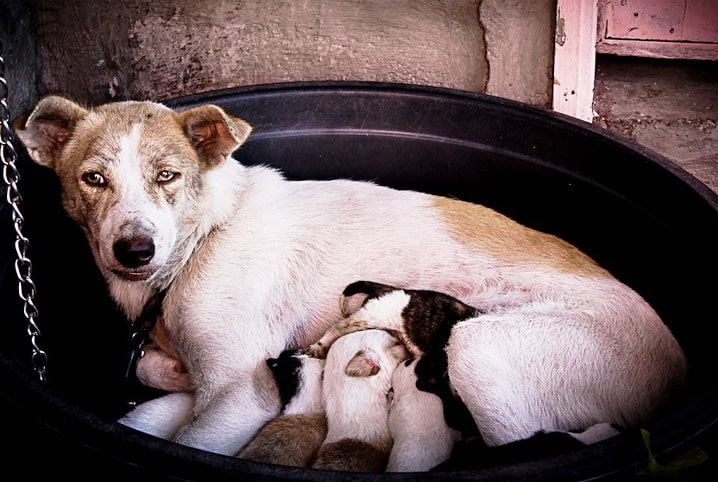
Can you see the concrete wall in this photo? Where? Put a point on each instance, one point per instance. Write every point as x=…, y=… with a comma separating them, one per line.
x=94, y=51
x=17, y=32
x=519, y=38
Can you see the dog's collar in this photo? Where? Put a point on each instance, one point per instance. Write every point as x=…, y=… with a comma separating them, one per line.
x=141, y=328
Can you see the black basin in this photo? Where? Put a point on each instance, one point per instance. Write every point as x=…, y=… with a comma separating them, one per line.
x=652, y=224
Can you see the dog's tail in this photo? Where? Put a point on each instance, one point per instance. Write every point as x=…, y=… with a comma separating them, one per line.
x=371, y=289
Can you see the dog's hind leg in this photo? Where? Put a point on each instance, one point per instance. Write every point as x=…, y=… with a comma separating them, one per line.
x=159, y=370
x=534, y=369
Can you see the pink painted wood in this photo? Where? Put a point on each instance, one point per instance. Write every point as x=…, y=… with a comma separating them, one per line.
x=659, y=28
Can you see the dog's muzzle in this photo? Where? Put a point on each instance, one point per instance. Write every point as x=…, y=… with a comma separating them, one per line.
x=135, y=251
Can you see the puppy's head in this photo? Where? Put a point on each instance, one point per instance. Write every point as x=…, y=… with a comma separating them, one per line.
x=374, y=352
x=132, y=173
x=299, y=379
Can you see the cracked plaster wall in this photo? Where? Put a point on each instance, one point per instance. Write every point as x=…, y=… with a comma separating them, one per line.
x=95, y=52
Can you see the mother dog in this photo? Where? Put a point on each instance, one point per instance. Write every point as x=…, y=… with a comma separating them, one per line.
x=253, y=264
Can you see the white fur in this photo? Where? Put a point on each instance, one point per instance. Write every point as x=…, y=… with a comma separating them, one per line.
x=357, y=406
x=161, y=417
x=357, y=379
x=293, y=437
x=309, y=392
x=258, y=264
x=422, y=439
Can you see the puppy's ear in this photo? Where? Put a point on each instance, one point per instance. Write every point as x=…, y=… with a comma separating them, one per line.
x=214, y=133
x=369, y=288
x=48, y=128
x=365, y=363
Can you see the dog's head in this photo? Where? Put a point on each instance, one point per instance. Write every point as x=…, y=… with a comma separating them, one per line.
x=131, y=172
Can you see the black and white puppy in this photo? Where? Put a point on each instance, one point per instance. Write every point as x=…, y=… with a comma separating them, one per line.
x=422, y=320
x=294, y=436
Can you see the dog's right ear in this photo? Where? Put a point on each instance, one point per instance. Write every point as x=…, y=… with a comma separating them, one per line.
x=48, y=127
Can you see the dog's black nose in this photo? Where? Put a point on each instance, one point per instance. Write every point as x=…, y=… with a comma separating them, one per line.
x=135, y=251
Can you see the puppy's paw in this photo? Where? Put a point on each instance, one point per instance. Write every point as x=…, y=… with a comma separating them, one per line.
x=158, y=370
x=317, y=350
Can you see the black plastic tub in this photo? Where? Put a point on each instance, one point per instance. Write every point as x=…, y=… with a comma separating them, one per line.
x=652, y=224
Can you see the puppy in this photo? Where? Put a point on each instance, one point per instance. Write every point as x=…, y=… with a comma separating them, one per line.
x=293, y=437
x=421, y=437
x=422, y=320
x=252, y=264
x=357, y=379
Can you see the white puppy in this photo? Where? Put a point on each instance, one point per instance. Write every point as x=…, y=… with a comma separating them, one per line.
x=422, y=439
x=357, y=379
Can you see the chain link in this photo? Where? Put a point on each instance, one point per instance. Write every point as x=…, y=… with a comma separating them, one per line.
x=23, y=266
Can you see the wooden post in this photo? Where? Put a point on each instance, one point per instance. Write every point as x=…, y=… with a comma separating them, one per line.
x=574, y=69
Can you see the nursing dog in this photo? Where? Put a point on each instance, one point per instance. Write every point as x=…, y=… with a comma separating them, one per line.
x=252, y=264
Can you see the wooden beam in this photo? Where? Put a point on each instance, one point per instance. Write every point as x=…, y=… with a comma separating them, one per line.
x=574, y=69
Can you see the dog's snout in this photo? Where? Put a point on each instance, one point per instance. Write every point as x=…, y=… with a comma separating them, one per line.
x=135, y=251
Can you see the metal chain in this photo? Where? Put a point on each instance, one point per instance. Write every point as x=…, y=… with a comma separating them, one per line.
x=23, y=266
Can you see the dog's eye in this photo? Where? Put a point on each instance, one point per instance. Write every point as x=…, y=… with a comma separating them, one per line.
x=165, y=176
x=94, y=178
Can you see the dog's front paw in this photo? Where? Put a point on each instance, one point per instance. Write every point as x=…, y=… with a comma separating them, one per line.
x=316, y=350
x=158, y=370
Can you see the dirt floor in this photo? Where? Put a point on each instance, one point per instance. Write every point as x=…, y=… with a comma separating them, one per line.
x=668, y=106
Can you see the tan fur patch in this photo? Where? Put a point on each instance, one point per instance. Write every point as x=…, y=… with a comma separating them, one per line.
x=486, y=230
x=288, y=440
x=353, y=456
x=161, y=337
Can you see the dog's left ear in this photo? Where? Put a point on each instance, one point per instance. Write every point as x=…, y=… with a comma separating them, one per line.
x=214, y=133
